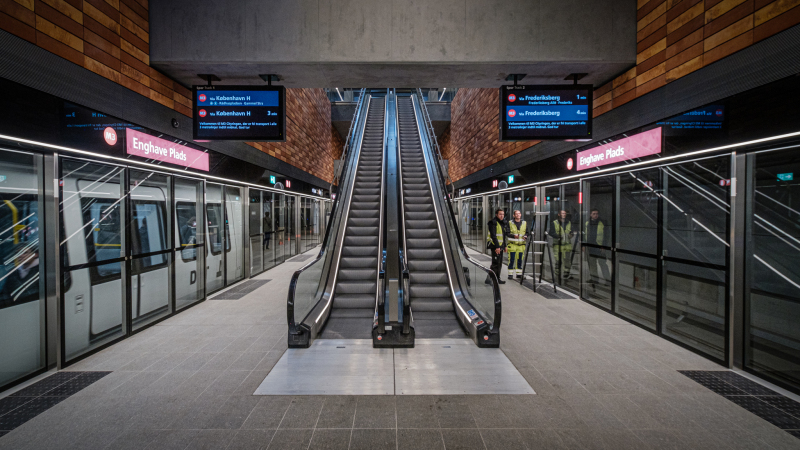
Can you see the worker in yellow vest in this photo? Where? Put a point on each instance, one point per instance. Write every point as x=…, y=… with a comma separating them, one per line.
x=562, y=234
x=517, y=236
x=496, y=239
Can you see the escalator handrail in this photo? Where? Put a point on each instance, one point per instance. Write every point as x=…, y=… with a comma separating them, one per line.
x=380, y=299
x=454, y=226
x=293, y=324
x=401, y=230
x=434, y=141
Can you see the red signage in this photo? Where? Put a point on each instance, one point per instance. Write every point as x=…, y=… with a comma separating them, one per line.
x=151, y=147
x=110, y=135
x=636, y=146
x=570, y=163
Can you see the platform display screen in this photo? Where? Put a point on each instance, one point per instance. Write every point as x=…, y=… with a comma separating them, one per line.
x=239, y=113
x=708, y=120
x=556, y=112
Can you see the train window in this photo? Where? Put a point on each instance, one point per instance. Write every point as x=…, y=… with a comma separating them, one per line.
x=19, y=247
x=102, y=217
x=186, y=221
x=149, y=232
x=215, y=230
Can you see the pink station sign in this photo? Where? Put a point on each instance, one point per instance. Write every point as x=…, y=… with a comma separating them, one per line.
x=151, y=147
x=636, y=146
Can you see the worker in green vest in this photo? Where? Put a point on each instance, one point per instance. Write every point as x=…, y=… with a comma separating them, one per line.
x=562, y=234
x=517, y=235
x=496, y=239
x=594, y=232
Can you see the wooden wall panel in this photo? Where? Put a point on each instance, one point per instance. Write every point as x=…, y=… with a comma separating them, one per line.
x=112, y=39
x=674, y=38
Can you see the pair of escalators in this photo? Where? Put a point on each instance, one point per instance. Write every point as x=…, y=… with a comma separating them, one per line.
x=392, y=267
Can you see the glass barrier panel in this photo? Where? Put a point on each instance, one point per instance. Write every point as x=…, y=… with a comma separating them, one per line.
x=188, y=208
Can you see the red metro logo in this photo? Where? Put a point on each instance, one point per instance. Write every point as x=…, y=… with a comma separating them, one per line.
x=201, y=113
x=110, y=135
x=512, y=97
x=202, y=97
x=511, y=113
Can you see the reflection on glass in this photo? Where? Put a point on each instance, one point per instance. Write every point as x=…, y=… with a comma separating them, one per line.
x=188, y=288
x=91, y=208
x=637, y=284
x=21, y=293
x=268, y=226
x=697, y=210
x=695, y=307
x=597, y=233
x=290, y=247
x=638, y=211
x=571, y=263
x=255, y=233
x=234, y=219
x=150, y=290
x=215, y=239
x=597, y=276
x=773, y=269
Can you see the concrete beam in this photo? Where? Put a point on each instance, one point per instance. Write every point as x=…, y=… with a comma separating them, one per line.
x=392, y=43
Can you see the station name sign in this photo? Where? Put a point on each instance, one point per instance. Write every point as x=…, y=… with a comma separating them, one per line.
x=636, y=146
x=151, y=147
x=239, y=113
x=556, y=112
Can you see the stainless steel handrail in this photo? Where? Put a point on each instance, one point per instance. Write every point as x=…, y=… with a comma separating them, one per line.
x=432, y=134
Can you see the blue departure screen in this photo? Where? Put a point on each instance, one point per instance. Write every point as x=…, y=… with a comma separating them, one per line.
x=545, y=112
x=239, y=113
x=706, y=120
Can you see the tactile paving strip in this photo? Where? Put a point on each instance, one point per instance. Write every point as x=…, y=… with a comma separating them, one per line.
x=240, y=290
x=771, y=406
x=24, y=405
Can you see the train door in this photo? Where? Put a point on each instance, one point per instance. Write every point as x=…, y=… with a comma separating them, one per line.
x=22, y=293
x=216, y=240
x=256, y=237
x=151, y=246
x=189, y=237
x=93, y=206
x=268, y=223
x=234, y=230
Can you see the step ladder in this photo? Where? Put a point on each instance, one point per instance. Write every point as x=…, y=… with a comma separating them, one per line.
x=536, y=248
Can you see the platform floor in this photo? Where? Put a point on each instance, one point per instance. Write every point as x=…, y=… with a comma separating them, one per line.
x=600, y=383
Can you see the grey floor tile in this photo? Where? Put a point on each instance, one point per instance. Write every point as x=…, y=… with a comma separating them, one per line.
x=416, y=411
x=369, y=439
x=268, y=413
x=303, y=412
x=212, y=439
x=661, y=439
x=505, y=439
x=330, y=439
x=454, y=412
x=541, y=439
x=251, y=440
x=248, y=361
x=374, y=411
x=172, y=439
x=419, y=439
x=290, y=440
x=462, y=439
x=227, y=382
x=232, y=414
x=338, y=412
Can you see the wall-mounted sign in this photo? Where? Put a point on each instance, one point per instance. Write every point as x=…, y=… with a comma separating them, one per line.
x=150, y=147
x=786, y=176
x=288, y=184
x=570, y=164
x=110, y=135
x=700, y=121
x=272, y=179
x=240, y=113
x=494, y=183
x=511, y=179
x=545, y=112
x=636, y=146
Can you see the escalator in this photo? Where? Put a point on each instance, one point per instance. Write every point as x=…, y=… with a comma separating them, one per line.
x=430, y=294
x=392, y=266
x=356, y=281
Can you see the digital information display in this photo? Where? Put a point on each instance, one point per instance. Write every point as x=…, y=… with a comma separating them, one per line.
x=706, y=120
x=239, y=113
x=529, y=113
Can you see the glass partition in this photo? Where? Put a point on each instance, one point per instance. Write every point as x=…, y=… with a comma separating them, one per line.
x=92, y=209
x=235, y=239
x=256, y=232
x=216, y=243
x=151, y=246
x=189, y=283
x=22, y=304
x=269, y=225
x=597, y=240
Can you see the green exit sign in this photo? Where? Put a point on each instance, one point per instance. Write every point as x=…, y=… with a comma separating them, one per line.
x=786, y=176
x=272, y=179
x=511, y=179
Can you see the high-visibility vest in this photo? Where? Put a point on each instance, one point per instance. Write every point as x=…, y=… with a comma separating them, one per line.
x=499, y=235
x=562, y=234
x=600, y=232
x=517, y=244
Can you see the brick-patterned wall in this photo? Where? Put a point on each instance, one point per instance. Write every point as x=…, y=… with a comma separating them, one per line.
x=472, y=141
x=677, y=37
x=337, y=143
x=674, y=39
x=112, y=39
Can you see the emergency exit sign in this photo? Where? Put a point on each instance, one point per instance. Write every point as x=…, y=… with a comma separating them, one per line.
x=786, y=176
